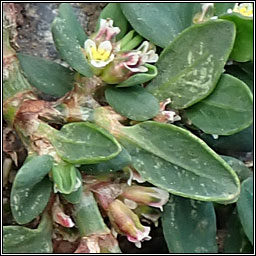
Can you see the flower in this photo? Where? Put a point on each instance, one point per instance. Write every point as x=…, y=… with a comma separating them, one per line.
x=245, y=9
x=151, y=196
x=99, y=56
x=126, y=222
x=100, y=47
x=127, y=63
x=59, y=216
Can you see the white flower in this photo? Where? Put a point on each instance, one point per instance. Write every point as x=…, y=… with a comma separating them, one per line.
x=245, y=9
x=99, y=56
x=139, y=57
x=107, y=30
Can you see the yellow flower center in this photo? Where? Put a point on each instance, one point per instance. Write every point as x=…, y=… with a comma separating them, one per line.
x=100, y=54
x=245, y=10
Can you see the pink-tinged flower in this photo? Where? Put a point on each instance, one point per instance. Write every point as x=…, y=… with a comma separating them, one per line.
x=99, y=49
x=151, y=196
x=59, y=216
x=126, y=222
x=88, y=245
x=127, y=63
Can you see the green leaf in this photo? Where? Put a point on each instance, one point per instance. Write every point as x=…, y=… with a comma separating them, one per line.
x=243, y=47
x=221, y=8
x=66, y=13
x=75, y=196
x=242, y=171
x=190, y=67
x=236, y=240
x=87, y=216
x=245, y=207
x=114, y=12
x=65, y=177
x=133, y=102
x=85, y=143
x=18, y=239
x=115, y=164
x=189, y=226
x=140, y=78
x=227, y=110
x=69, y=47
x=176, y=160
x=160, y=23
x=238, y=72
x=233, y=144
x=47, y=76
x=31, y=189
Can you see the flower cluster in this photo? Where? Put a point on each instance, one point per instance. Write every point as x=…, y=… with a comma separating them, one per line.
x=126, y=204
x=108, y=60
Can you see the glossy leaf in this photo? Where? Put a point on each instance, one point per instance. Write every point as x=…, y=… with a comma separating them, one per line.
x=87, y=216
x=69, y=47
x=66, y=12
x=241, y=74
x=174, y=159
x=227, y=110
x=117, y=163
x=31, y=189
x=47, y=76
x=140, y=78
x=75, y=196
x=243, y=47
x=221, y=8
x=236, y=240
x=242, y=171
x=160, y=23
x=245, y=207
x=114, y=12
x=190, y=67
x=135, y=102
x=189, y=226
x=64, y=177
x=17, y=239
x=85, y=143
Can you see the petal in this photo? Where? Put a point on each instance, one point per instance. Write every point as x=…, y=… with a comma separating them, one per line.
x=106, y=45
x=103, y=23
x=132, y=69
x=144, y=47
x=152, y=57
x=102, y=63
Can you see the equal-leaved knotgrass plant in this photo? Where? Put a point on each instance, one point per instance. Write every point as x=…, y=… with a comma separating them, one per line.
x=123, y=135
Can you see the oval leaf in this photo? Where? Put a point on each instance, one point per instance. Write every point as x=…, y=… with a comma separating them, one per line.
x=236, y=241
x=245, y=207
x=174, y=159
x=160, y=23
x=64, y=177
x=117, y=163
x=228, y=110
x=114, y=12
x=243, y=47
x=85, y=143
x=31, y=189
x=135, y=102
x=66, y=12
x=140, y=78
x=47, y=76
x=242, y=171
x=189, y=226
x=189, y=68
x=18, y=239
x=69, y=47
x=75, y=196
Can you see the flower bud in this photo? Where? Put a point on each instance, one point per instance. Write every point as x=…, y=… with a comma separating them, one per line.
x=126, y=222
x=151, y=196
